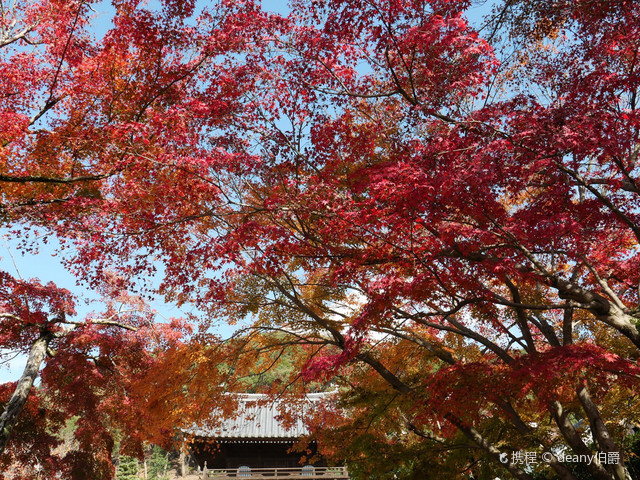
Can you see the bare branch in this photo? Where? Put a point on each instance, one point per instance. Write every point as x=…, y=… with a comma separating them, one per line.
x=22, y=35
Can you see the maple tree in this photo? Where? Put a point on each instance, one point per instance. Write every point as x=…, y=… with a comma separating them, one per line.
x=395, y=191
x=86, y=370
x=72, y=109
x=402, y=187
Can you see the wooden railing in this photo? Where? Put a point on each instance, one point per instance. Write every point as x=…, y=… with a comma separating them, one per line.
x=303, y=473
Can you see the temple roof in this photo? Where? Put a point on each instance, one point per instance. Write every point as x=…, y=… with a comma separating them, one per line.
x=257, y=417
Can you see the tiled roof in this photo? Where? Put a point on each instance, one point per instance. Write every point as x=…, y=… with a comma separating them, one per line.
x=256, y=418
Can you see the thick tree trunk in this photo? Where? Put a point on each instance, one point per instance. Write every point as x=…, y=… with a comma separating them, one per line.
x=479, y=440
x=605, y=310
x=166, y=465
x=567, y=327
x=23, y=388
x=601, y=433
x=183, y=461
x=527, y=432
x=597, y=471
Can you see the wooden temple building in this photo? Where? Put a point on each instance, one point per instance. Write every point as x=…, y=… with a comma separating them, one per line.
x=254, y=443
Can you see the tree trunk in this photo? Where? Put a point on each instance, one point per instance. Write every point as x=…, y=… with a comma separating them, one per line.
x=597, y=471
x=23, y=388
x=601, y=434
x=183, y=461
x=479, y=440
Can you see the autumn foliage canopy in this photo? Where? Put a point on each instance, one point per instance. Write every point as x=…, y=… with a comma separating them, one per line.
x=433, y=210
